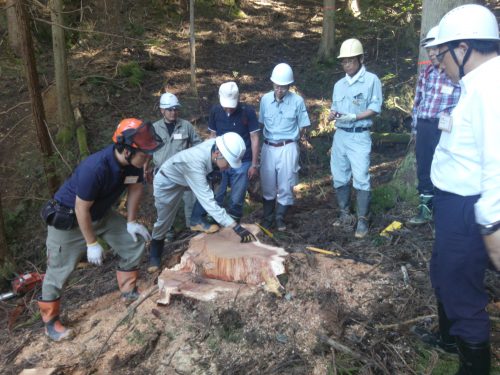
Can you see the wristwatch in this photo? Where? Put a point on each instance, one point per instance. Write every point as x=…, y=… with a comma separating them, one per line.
x=488, y=229
x=256, y=166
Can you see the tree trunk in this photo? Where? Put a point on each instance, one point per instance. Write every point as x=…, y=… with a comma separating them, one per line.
x=64, y=112
x=4, y=250
x=327, y=43
x=28, y=58
x=13, y=30
x=352, y=6
x=192, y=48
x=432, y=12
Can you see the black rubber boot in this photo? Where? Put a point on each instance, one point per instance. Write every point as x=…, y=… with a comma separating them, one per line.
x=280, y=217
x=343, y=195
x=155, y=254
x=268, y=212
x=447, y=342
x=474, y=358
x=363, y=198
x=440, y=340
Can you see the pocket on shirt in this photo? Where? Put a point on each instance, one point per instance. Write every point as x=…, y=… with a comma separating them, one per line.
x=359, y=100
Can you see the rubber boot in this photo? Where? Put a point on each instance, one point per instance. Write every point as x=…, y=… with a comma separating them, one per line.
x=446, y=341
x=268, y=212
x=50, y=316
x=345, y=218
x=127, y=282
x=424, y=214
x=280, y=217
x=363, y=205
x=155, y=253
x=441, y=340
x=474, y=358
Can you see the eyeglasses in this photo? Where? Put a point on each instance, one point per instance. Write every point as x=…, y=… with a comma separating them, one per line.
x=440, y=55
x=172, y=109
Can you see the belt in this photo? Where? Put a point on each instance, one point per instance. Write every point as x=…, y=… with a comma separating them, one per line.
x=278, y=144
x=355, y=130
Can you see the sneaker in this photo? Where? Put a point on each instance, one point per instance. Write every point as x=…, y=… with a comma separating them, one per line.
x=280, y=224
x=205, y=227
x=434, y=340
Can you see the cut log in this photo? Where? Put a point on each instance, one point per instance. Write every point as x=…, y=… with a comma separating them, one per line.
x=213, y=263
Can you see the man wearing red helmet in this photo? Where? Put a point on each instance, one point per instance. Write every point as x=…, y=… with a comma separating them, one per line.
x=81, y=211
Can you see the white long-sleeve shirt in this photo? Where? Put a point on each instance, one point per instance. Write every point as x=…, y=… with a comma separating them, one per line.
x=467, y=159
x=190, y=168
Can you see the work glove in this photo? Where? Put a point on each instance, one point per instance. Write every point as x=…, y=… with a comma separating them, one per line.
x=333, y=115
x=492, y=242
x=134, y=228
x=94, y=253
x=245, y=235
x=348, y=117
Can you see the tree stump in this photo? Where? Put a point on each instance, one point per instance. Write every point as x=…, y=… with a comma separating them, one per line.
x=219, y=263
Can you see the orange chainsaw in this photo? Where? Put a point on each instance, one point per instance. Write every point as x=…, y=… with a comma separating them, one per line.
x=23, y=284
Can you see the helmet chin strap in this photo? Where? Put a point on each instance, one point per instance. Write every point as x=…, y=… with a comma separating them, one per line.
x=461, y=70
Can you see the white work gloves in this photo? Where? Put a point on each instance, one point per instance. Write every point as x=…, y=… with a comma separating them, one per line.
x=134, y=228
x=348, y=117
x=94, y=253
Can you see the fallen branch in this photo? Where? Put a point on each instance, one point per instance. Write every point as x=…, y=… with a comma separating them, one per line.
x=128, y=315
x=12, y=108
x=344, y=349
x=397, y=325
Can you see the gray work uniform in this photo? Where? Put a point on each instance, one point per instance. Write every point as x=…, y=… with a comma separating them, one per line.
x=186, y=170
x=65, y=248
x=183, y=137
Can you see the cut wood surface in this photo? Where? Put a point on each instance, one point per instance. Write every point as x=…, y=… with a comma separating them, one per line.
x=222, y=257
x=190, y=285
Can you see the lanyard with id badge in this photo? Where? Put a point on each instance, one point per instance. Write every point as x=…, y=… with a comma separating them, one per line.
x=445, y=123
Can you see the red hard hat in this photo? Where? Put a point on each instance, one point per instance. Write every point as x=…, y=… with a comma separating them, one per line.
x=137, y=134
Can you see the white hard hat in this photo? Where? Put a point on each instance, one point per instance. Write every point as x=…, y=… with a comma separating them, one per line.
x=232, y=147
x=169, y=100
x=282, y=74
x=469, y=21
x=229, y=95
x=431, y=35
x=350, y=48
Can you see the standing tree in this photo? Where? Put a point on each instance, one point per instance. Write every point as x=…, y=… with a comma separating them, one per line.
x=14, y=42
x=28, y=58
x=64, y=111
x=327, y=43
x=4, y=250
x=192, y=48
x=432, y=12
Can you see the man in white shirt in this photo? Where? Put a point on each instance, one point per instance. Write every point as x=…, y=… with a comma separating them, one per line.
x=466, y=173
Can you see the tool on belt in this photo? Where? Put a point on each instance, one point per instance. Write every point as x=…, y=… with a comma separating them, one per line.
x=23, y=284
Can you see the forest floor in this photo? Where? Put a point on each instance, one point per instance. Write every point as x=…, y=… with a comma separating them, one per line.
x=346, y=314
